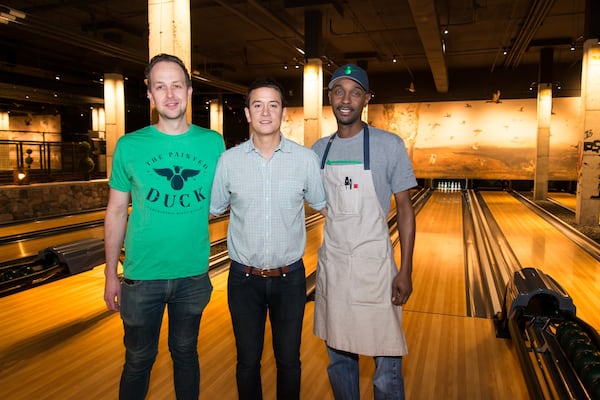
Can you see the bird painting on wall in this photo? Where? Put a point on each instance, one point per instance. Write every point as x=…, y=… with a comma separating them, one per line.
x=495, y=97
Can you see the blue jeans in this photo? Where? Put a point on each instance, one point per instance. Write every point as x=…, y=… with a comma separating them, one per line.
x=388, y=383
x=250, y=297
x=142, y=309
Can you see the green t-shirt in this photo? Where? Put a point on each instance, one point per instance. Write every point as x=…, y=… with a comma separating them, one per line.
x=170, y=179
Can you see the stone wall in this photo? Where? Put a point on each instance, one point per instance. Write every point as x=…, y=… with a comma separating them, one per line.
x=25, y=202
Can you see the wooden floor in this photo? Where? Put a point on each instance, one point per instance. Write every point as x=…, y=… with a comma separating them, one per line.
x=58, y=341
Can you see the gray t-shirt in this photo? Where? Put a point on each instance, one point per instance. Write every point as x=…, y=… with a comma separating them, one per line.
x=390, y=165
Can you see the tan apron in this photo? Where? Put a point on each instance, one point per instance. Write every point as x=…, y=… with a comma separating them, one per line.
x=353, y=306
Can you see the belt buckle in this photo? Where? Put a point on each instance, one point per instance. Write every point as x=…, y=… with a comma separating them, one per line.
x=264, y=273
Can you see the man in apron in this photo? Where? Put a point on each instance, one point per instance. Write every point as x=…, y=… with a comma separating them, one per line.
x=359, y=289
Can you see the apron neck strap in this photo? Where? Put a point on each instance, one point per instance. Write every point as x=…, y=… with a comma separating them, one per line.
x=366, y=159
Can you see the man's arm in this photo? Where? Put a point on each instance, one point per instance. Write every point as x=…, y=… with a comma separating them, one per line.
x=115, y=223
x=315, y=192
x=405, y=218
x=219, y=196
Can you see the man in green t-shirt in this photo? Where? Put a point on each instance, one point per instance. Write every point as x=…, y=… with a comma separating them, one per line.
x=167, y=170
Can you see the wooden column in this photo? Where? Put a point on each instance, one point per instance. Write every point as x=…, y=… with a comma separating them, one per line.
x=170, y=32
x=544, y=117
x=313, y=77
x=114, y=114
x=588, y=178
x=216, y=114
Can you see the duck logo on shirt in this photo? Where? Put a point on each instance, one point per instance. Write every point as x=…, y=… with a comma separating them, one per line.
x=177, y=176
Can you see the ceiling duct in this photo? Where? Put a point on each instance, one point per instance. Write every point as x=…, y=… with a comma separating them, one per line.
x=534, y=19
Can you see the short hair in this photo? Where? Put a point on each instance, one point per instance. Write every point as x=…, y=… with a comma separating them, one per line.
x=169, y=58
x=265, y=82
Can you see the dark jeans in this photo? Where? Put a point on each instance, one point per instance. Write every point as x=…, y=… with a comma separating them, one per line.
x=142, y=309
x=388, y=383
x=284, y=297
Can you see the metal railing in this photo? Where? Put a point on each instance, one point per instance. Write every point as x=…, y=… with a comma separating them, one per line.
x=48, y=161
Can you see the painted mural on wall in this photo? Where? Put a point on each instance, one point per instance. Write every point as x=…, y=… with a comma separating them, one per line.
x=475, y=140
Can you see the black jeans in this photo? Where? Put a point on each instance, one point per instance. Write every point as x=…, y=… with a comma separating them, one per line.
x=142, y=308
x=249, y=298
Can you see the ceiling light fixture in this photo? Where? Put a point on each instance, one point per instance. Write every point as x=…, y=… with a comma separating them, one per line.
x=285, y=66
x=532, y=85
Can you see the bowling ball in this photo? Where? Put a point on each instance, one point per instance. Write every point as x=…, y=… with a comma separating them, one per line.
x=594, y=389
x=590, y=373
x=564, y=328
x=9, y=275
x=585, y=357
x=578, y=346
x=571, y=335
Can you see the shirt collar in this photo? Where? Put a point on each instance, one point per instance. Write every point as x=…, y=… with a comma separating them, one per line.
x=284, y=145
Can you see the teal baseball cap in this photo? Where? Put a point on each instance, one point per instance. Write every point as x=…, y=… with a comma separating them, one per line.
x=350, y=71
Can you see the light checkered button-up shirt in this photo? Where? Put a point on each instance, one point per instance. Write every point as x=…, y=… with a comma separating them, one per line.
x=267, y=220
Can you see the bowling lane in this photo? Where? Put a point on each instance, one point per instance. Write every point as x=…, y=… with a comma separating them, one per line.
x=566, y=199
x=60, y=342
x=50, y=223
x=439, y=274
x=537, y=244
x=451, y=355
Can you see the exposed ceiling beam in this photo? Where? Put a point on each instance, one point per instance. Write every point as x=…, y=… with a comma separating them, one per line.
x=428, y=27
x=39, y=26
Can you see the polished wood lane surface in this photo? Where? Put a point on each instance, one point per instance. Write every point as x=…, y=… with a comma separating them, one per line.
x=439, y=277
x=50, y=223
x=568, y=200
x=451, y=356
x=59, y=342
x=538, y=244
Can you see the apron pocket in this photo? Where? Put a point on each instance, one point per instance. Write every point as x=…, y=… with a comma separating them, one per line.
x=347, y=201
x=370, y=280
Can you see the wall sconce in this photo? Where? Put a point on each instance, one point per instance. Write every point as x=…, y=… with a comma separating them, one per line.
x=394, y=59
x=572, y=46
x=505, y=51
x=445, y=29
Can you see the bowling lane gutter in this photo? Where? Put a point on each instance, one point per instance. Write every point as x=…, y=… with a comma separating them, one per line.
x=489, y=259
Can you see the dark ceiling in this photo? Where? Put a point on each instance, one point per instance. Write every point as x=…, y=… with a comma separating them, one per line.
x=55, y=51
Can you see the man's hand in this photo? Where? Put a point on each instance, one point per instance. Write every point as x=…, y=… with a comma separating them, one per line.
x=401, y=289
x=112, y=292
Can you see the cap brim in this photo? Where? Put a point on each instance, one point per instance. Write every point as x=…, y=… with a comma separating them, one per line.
x=333, y=81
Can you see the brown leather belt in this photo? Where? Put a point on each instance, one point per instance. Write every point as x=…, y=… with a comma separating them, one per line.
x=267, y=272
